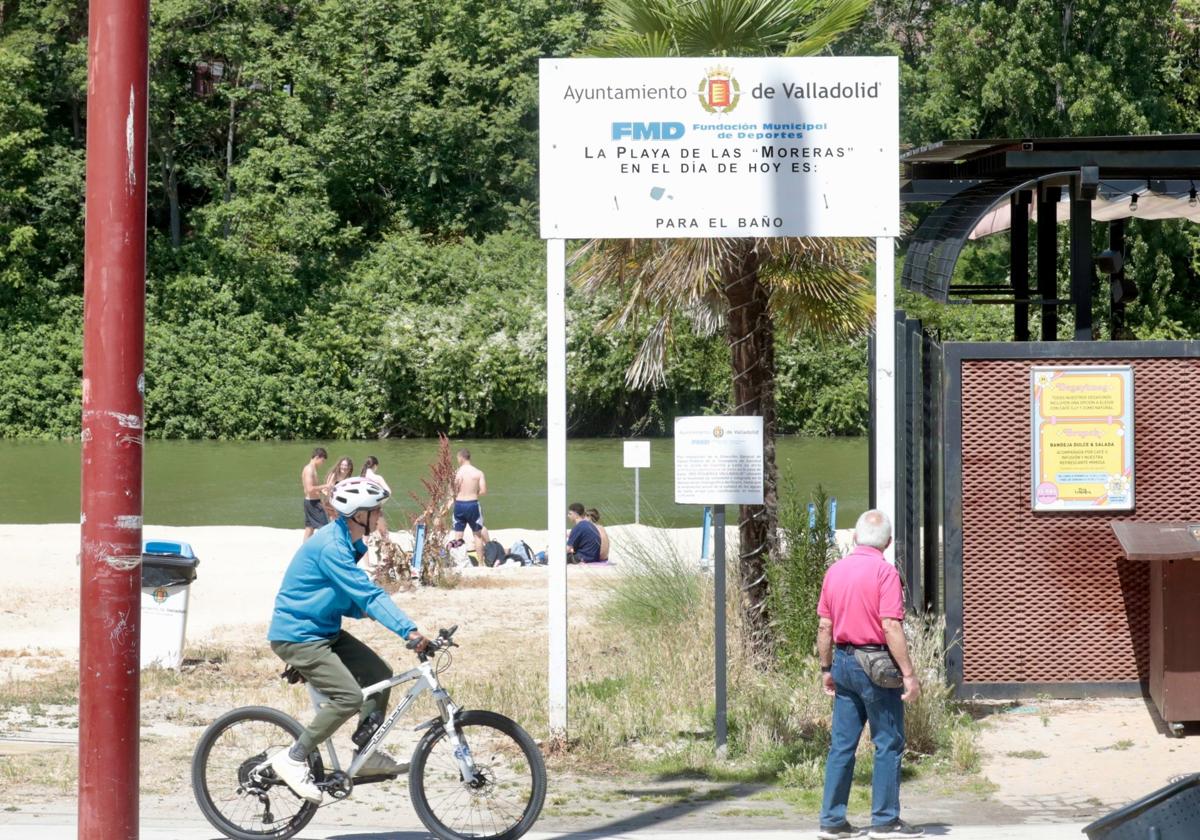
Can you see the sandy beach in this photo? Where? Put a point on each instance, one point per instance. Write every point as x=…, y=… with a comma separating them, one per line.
x=239, y=573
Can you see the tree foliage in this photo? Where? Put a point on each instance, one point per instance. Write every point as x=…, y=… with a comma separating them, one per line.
x=342, y=197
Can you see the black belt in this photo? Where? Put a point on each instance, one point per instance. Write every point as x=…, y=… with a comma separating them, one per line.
x=849, y=648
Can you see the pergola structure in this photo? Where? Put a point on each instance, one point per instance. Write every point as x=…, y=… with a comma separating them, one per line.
x=987, y=186
x=1018, y=584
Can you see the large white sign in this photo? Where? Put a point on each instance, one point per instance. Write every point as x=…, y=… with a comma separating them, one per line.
x=718, y=461
x=708, y=147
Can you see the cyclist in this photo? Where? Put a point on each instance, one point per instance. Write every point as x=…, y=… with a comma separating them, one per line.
x=322, y=585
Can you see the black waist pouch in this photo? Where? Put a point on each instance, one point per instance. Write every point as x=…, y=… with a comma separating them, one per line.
x=880, y=667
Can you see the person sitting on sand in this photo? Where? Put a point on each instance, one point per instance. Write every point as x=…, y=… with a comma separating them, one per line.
x=322, y=585
x=593, y=514
x=583, y=543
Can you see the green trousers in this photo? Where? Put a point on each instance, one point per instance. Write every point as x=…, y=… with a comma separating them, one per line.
x=338, y=668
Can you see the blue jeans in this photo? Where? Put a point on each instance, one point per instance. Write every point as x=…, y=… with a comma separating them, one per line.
x=858, y=701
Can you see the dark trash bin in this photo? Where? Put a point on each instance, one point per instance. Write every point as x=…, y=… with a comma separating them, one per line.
x=1170, y=813
x=168, y=569
x=1172, y=550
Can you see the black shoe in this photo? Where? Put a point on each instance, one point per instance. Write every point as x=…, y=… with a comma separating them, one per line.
x=839, y=831
x=899, y=828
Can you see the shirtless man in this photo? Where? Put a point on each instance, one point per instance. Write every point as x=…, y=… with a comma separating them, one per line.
x=469, y=485
x=314, y=514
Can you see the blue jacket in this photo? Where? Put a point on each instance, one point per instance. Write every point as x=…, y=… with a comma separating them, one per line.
x=323, y=584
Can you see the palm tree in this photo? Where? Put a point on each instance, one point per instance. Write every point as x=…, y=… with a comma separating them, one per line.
x=750, y=288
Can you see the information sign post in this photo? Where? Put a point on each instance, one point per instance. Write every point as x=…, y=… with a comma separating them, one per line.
x=719, y=461
x=644, y=148
x=637, y=458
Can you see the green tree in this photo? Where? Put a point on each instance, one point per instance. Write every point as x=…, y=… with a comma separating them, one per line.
x=746, y=288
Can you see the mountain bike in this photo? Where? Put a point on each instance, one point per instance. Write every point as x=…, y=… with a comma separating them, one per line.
x=473, y=774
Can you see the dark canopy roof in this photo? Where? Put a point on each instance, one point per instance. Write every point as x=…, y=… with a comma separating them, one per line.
x=973, y=182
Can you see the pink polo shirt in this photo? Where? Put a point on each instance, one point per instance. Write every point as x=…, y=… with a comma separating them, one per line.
x=859, y=590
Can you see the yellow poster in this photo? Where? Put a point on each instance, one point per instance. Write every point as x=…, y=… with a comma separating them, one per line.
x=1068, y=395
x=1082, y=438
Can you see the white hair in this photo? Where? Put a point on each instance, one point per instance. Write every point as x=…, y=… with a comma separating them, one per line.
x=873, y=529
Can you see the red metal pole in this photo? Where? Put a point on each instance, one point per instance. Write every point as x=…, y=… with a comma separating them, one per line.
x=113, y=351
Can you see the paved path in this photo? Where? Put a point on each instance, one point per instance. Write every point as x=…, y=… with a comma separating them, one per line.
x=57, y=828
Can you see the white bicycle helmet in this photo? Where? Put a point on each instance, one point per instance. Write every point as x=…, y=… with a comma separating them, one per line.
x=351, y=495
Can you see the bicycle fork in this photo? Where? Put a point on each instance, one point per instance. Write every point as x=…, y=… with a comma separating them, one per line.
x=462, y=751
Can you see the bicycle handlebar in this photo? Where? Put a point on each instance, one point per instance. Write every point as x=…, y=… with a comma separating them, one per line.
x=445, y=639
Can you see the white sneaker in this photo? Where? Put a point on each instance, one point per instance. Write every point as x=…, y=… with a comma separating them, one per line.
x=380, y=763
x=296, y=775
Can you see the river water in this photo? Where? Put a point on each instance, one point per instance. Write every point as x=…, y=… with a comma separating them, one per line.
x=258, y=482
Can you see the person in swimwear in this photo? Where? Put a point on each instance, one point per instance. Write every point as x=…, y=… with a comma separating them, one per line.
x=469, y=484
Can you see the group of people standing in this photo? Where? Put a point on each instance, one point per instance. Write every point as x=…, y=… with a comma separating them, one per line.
x=318, y=507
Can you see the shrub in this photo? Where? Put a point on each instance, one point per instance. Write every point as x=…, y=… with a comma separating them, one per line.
x=932, y=720
x=806, y=549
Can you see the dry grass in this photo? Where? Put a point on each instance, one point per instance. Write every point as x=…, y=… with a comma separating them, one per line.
x=38, y=774
x=641, y=677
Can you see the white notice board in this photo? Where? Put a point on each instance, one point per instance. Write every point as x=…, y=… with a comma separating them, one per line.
x=718, y=461
x=710, y=147
x=637, y=454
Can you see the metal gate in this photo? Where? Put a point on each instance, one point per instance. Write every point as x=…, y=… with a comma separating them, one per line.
x=918, y=525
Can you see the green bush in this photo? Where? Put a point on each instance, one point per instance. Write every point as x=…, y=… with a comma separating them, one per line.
x=796, y=576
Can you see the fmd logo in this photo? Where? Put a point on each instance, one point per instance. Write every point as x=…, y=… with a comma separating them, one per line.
x=647, y=130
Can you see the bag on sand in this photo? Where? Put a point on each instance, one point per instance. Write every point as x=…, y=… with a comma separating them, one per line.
x=880, y=667
x=520, y=553
x=493, y=553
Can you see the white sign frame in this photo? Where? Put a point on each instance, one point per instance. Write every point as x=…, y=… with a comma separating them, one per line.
x=719, y=147
x=719, y=460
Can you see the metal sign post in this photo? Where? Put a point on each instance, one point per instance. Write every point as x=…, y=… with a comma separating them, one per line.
x=885, y=382
x=719, y=460
x=637, y=456
x=556, y=479
x=722, y=721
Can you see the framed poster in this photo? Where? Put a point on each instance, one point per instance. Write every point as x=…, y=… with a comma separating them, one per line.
x=1082, y=424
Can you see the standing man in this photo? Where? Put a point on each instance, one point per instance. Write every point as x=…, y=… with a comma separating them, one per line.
x=583, y=543
x=861, y=612
x=469, y=484
x=314, y=515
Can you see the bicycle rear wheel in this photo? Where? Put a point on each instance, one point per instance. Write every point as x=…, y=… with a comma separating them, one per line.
x=238, y=805
x=507, y=797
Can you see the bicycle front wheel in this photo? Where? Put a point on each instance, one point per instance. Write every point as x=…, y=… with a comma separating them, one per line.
x=238, y=803
x=507, y=796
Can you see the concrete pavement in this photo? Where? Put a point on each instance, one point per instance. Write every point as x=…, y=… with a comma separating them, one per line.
x=50, y=828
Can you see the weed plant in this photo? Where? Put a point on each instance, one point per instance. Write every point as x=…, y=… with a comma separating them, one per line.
x=806, y=549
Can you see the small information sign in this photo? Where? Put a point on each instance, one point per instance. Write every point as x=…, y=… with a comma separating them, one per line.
x=637, y=454
x=718, y=461
x=1082, y=423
